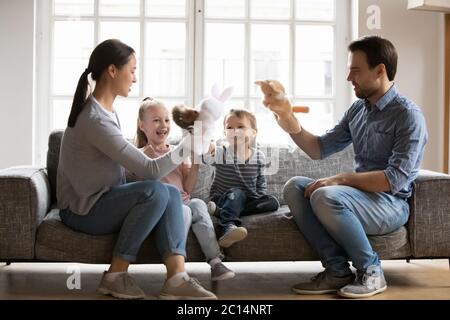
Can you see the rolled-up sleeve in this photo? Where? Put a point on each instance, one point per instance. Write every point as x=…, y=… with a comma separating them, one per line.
x=336, y=139
x=407, y=152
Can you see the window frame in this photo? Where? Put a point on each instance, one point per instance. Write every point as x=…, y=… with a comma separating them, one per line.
x=195, y=49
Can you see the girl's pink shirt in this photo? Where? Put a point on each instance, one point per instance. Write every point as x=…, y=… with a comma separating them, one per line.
x=177, y=176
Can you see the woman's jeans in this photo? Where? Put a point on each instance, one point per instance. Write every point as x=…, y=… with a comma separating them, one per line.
x=235, y=203
x=336, y=220
x=196, y=214
x=133, y=210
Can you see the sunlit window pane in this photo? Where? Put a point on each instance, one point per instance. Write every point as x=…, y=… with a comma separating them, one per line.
x=128, y=33
x=165, y=50
x=119, y=7
x=127, y=110
x=61, y=111
x=314, y=9
x=74, y=7
x=320, y=117
x=269, y=59
x=269, y=9
x=317, y=121
x=314, y=60
x=73, y=44
x=225, y=8
x=224, y=56
x=269, y=132
x=166, y=8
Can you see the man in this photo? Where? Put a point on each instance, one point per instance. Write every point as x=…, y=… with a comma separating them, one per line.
x=335, y=214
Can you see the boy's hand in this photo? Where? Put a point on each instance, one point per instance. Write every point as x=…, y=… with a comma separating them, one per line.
x=212, y=149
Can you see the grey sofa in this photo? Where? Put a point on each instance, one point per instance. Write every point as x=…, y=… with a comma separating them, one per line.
x=31, y=230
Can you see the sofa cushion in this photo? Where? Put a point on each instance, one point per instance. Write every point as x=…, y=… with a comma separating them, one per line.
x=275, y=236
x=285, y=163
x=272, y=237
x=291, y=162
x=56, y=242
x=54, y=145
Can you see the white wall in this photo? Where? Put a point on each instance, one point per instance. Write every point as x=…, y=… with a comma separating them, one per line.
x=419, y=39
x=16, y=82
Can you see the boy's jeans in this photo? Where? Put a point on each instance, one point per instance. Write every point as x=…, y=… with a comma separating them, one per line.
x=235, y=203
x=336, y=219
x=133, y=210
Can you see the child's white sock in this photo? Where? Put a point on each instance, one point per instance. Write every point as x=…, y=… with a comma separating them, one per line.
x=112, y=276
x=214, y=261
x=178, y=279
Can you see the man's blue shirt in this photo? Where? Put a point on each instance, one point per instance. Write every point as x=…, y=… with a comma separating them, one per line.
x=390, y=136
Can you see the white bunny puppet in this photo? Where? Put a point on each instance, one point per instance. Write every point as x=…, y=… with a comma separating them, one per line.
x=203, y=117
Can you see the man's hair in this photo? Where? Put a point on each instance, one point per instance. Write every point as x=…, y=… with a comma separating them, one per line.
x=377, y=50
x=242, y=113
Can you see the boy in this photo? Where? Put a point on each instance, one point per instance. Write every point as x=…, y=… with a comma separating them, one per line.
x=239, y=187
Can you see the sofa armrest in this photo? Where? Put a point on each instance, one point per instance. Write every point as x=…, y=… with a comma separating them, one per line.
x=429, y=221
x=24, y=202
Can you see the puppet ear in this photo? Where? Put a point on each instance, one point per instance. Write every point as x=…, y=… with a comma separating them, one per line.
x=224, y=96
x=276, y=86
x=260, y=82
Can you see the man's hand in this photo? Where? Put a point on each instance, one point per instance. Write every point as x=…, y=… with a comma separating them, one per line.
x=330, y=181
x=372, y=181
x=285, y=117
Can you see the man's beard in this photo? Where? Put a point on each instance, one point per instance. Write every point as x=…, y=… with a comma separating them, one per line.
x=365, y=94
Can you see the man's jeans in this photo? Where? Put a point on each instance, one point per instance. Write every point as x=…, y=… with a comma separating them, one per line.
x=235, y=203
x=133, y=210
x=337, y=219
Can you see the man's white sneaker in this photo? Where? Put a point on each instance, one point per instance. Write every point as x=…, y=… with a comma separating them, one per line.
x=367, y=284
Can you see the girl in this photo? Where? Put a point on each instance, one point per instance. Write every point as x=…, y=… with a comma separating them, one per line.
x=151, y=136
x=91, y=190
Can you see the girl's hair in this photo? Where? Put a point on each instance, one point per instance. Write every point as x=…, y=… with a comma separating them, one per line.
x=108, y=52
x=242, y=113
x=140, y=140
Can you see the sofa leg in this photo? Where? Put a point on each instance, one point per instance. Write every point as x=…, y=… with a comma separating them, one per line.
x=8, y=263
x=408, y=260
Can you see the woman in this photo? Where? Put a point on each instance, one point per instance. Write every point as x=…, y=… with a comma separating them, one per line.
x=91, y=189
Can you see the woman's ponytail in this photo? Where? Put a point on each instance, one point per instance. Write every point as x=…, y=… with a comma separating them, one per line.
x=79, y=98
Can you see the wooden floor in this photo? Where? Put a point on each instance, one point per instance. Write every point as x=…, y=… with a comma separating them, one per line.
x=419, y=279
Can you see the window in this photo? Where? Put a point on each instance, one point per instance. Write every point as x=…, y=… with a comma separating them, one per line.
x=185, y=46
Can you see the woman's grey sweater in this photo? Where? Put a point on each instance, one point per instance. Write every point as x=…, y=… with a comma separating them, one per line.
x=94, y=154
